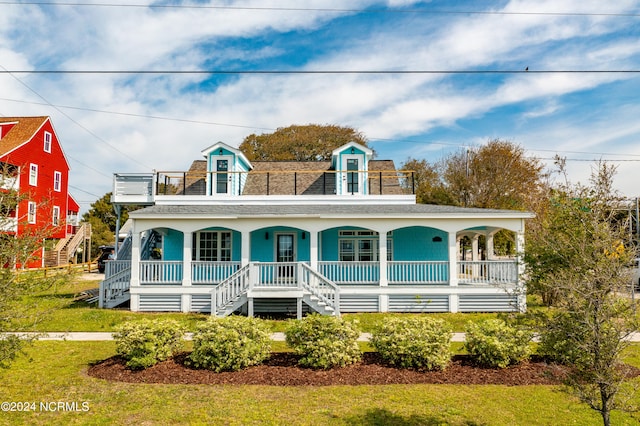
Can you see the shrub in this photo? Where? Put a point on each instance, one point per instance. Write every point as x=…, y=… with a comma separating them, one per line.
x=324, y=342
x=145, y=343
x=494, y=343
x=230, y=344
x=414, y=342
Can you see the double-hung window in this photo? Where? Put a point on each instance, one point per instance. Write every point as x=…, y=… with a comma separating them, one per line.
x=31, y=213
x=57, y=181
x=55, y=218
x=362, y=246
x=33, y=174
x=47, y=142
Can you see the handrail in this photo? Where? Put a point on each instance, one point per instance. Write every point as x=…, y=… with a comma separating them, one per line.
x=230, y=289
x=321, y=287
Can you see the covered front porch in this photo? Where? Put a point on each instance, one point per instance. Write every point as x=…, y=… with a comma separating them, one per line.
x=409, y=268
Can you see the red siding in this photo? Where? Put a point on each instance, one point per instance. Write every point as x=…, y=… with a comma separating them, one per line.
x=43, y=194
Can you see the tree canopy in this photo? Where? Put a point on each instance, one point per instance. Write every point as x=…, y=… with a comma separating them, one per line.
x=311, y=142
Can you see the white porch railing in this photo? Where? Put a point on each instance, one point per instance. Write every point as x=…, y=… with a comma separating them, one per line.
x=231, y=289
x=358, y=273
x=116, y=283
x=157, y=272
x=211, y=273
x=276, y=274
x=319, y=286
x=418, y=272
x=488, y=272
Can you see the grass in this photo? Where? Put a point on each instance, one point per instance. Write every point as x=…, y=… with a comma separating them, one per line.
x=55, y=371
x=64, y=314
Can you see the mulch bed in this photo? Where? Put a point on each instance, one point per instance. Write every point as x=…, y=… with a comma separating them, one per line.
x=281, y=370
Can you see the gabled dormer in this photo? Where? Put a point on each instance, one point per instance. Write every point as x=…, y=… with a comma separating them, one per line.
x=227, y=169
x=351, y=163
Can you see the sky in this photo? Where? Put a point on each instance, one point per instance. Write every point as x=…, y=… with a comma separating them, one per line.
x=420, y=79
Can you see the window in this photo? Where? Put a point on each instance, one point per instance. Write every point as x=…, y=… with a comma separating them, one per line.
x=212, y=246
x=57, y=181
x=55, y=218
x=47, y=142
x=33, y=174
x=362, y=246
x=31, y=218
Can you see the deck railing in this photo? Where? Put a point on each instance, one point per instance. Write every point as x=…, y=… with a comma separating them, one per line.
x=418, y=272
x=488, y=272
x=211, y=273
x=155, y=272
x=116, y=283
x=321, y=287
x=231, y=289
x=358, y=273
x=276, y=274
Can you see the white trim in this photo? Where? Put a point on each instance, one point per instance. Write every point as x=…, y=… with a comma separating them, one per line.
x=48, y=141
x=57, y=181
x=33, y=174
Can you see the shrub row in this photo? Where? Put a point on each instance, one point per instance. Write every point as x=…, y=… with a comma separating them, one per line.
x=321, y=342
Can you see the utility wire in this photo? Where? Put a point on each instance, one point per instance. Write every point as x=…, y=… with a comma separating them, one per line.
x=259, y=72
x=3, y=69
x=306, y=9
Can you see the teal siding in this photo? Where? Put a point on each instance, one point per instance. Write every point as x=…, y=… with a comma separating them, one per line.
x=173, y=242
x=416, y=243
x=263, y=249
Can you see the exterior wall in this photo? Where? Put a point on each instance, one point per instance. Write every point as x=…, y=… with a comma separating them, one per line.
x=172, y=245
x=416, y=243
x=263, y=249
x=43, y=193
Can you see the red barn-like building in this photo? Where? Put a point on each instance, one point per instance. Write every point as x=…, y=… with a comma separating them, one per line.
x=31, y=152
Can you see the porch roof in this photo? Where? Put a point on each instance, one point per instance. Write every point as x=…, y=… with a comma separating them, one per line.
x=323, y=211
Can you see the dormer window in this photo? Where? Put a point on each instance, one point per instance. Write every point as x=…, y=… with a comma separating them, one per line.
x=47, y=142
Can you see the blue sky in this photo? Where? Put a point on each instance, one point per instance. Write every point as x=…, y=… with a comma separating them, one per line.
x=138, y=122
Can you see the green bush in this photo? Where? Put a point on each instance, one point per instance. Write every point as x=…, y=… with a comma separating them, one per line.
x=494, y=343
x=230, y=344
x=145, y=343
x=324, y=342
x=414, y=342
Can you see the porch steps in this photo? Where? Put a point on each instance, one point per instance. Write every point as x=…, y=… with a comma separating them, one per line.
x=309, y=299
x=117, y=300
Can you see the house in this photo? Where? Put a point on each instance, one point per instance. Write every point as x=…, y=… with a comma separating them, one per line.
x=345, y=235
x=34, y=164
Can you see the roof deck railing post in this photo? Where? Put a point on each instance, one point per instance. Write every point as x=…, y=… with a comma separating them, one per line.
x=295, y=183
x=268, y=175
x=413, y=184
x=324, y=183
x=380, y=182
x=184, y=183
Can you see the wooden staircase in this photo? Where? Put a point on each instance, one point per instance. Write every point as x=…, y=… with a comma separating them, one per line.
x=66, y=248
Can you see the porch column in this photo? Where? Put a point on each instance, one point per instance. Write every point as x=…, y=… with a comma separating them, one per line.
x=453, y=259
x=490, y=253
x=313, y=249
x=245, y=249
x=522, y=296
x=186, y=258
x=384, y=279
x=135, y=268
x=474, y=248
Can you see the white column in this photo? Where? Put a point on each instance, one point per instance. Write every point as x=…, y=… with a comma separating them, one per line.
x=474, y=248
x=245, y=249
x=313, y=249
x=186, y=258
x=453, y=259
x=490, y=253
x=384, y=279
x=135, y=269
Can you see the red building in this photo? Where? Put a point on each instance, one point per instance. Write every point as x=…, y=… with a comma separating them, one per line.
x=35, y=165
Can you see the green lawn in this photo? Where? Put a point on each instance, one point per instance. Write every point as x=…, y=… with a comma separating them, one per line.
x=55, y=371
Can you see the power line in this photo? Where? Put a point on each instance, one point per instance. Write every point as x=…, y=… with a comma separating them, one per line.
x=262, y=72
x=327, y=10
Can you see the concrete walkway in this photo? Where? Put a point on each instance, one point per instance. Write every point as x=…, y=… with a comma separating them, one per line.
x=86, y=336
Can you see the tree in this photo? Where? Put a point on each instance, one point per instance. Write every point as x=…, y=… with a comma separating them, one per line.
x=427, y=183
x=497, y=175
x=579, y=259
x=17, y=285
x=311, y=142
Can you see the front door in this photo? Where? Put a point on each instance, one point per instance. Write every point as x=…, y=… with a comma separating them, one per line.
x=221, y=183
x=285, y=253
